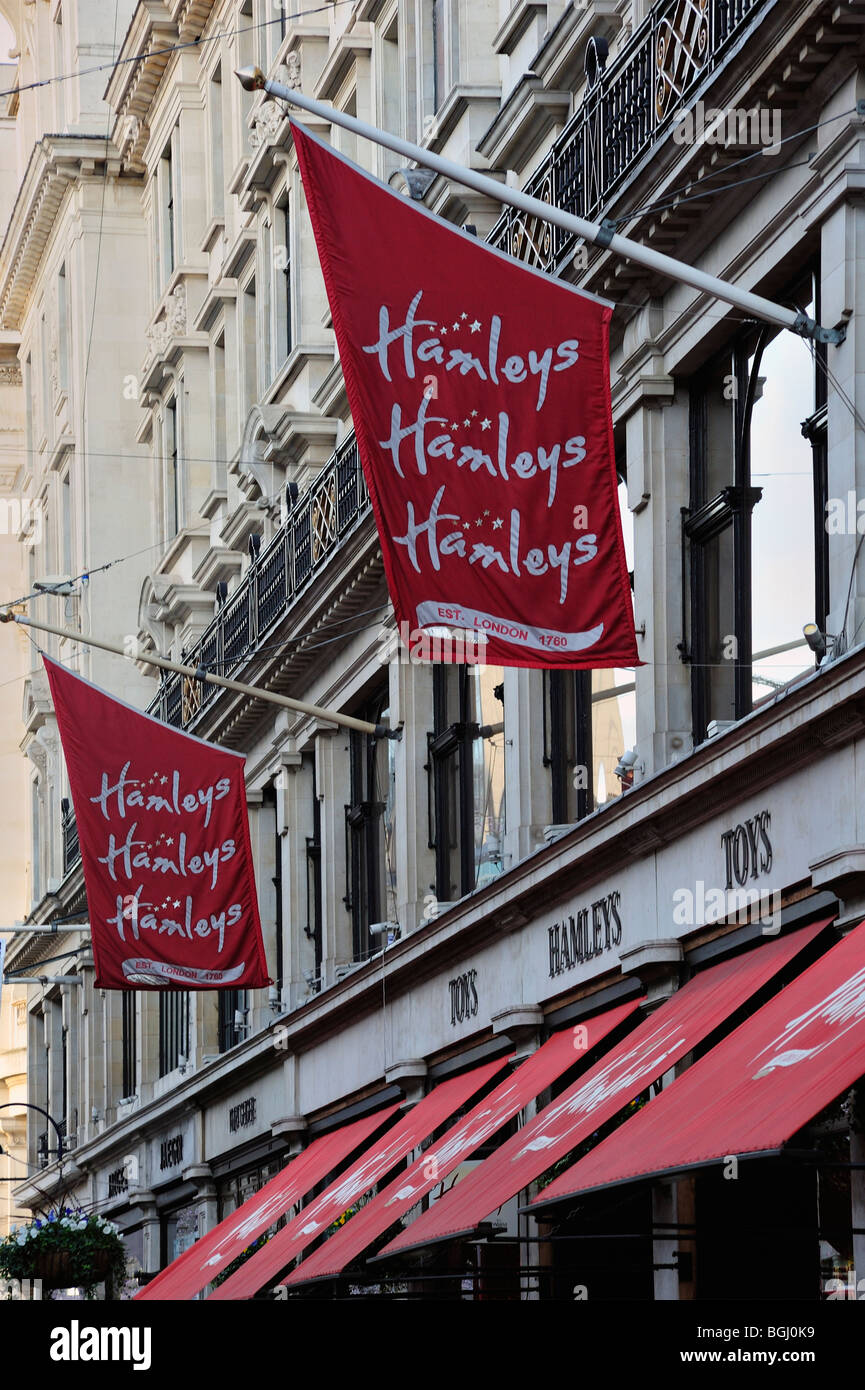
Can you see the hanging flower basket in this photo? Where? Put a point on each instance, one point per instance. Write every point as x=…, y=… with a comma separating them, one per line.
x=69, y=1249
x=58, y=1267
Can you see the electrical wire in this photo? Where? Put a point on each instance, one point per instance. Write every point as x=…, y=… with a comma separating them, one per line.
x=170, y=48
x=98, y=569
x=718, y=173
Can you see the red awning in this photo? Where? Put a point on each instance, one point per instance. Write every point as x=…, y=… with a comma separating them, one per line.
x=198, y=1265
x=752, y=1092
x=314, y=1219
x=688, y=1017
x=556, y=1056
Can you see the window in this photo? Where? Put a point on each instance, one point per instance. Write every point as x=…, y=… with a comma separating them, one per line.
x=173, y=1029
x=282, y=284
x=220, y=424
x=275, y=31
x=59, y=70
x=35, y=842
x=369, y=828
x=567, y=743
x=249, y=344
x=439, y=52
x=217, y=172
x=265, y=332
x=129, y=1080
x=172, y=470
x=169, y=204
x=233, y=1016
x=247, y=39
x=314, y=918
x=46, y=380
x=589, y=721
x=755, y=539
x=466, y=778
x=65, y=547
x=62, y=332
x=27, y=382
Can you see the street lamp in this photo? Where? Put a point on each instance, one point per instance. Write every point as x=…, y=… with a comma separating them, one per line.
x=25, y=1105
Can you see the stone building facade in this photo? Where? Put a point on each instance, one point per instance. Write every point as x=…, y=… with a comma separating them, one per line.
x=220, y=450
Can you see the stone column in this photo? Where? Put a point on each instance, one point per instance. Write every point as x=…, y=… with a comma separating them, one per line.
x=334, y=791
x=523, y=1024
x=206, y=1199
x=657, y=965
x=411, y=705
x=294, y=824
x=841, y=218
x=262, y=837
x=91, y=1058
x=658, y=489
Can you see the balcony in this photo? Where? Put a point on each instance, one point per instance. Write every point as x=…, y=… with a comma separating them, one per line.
x=321, y=519
x=627, y=108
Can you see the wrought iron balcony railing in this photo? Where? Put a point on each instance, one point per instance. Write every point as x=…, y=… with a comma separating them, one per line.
x=627, y=108
x=320, y=520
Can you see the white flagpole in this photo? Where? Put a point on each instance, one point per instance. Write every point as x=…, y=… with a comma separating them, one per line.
x=253, y=79
x=348, y=721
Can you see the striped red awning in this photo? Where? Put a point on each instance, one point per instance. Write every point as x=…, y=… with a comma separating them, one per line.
x=752, y=1092
x=555, y=1057
x=198, y=1265
x=375, y=1163
x=660, y=1041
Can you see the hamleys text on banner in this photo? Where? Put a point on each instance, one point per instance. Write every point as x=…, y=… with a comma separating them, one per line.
x=164, y=836
x=480, y=395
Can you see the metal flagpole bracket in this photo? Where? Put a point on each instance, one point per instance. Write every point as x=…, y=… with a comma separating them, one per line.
x=809, y=328
x=606, y=232
x=385, y=731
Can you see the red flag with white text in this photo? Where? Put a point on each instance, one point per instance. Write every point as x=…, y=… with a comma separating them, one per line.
x=480, y=394
x=164, y=836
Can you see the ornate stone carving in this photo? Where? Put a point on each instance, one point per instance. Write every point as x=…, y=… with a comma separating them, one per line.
x=172, y=324
x=175, y=311
x=266, y=122
x=10, y=374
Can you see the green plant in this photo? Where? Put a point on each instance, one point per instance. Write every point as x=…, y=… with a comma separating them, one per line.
x=239, y=1260
x=73, y=1248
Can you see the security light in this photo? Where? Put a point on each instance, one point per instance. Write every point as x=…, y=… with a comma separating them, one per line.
x=815, y=638
x=627, y=765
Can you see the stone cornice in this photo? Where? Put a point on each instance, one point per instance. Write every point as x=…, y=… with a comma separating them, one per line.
x=143, y=58
x=56, y=162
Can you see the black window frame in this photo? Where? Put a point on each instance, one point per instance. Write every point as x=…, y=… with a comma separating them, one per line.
x=230, y=1002
x=730, y=510
x=567, y=735
x=364, y=826
x=314, y=903
x=173, y=1028
x=129, y=1058
x=450, y=782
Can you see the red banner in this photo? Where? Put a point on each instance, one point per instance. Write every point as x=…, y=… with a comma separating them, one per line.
x=480, y=394
x=164, y=837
